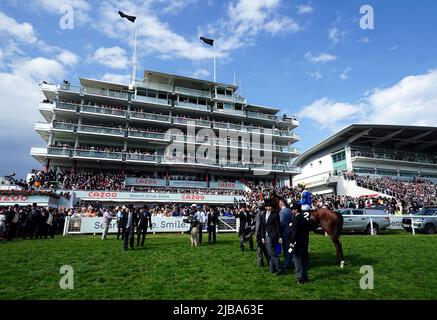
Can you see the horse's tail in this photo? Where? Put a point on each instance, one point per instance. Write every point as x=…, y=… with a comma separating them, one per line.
x=338, y=226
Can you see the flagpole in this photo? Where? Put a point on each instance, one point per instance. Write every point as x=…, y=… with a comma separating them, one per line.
x=213, y=47
x=134, y=61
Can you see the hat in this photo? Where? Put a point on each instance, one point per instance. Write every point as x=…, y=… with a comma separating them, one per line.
x=296, y=206
x=243, y=205
x=268, y=203
x=123, y=207
x=194, y=205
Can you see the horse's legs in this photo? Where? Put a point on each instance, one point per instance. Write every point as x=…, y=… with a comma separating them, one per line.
x=339, y=250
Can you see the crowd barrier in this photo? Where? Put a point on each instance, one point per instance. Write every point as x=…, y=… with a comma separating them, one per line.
x=94, y=225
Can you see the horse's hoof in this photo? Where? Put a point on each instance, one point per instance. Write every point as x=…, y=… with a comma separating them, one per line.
x=342, y=264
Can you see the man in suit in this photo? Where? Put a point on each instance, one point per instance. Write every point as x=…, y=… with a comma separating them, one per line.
x=121, y=217
x=129, y=225
x=272, y=235
x=12, y=220
x=285, y=217
x=262, y=250
x=212, y=224
x=299, y=243
x=144, y=222
x=245, y=222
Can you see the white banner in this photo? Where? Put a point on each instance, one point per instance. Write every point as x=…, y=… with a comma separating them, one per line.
x=159, y=224
x=395, y=223
x=145, y=182
x=188, y=184
x=227, y=185
x=129, y=197
x=24, y=200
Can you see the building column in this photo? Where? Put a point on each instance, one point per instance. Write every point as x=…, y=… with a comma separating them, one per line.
x=275, y=181
x=47, y=166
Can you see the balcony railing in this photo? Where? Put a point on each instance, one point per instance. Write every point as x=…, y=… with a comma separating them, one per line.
x=147, y=135
x=259, y=115
x=106, y=92
x=193, y=92
x=153, y=100
x=105, y=111
x=67, y=106
x=98, y=154
x=233, y=98
x=229, y=111
x=63, y=126
x=143, y=157
x=153, y=85
x=70, y=88
x=101, y=130
x=150, y=116
x=59, y=151
x=195, y=106
x=188, y=121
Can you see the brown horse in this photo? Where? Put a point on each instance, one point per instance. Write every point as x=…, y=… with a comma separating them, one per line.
x=330, y=221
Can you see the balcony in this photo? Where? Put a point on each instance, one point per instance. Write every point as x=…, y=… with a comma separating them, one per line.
x=137, y=157
x=193, y=92
x=101, y=130
x=42, y=126
x=153, y=100
x=261, y=116
x=150, y=116
x=228, y=111
x=69, y=88
x=66, y=106
x=62, y=152
x=106, y=93
x=232, y=98
x=103, y=111
x=96, y=154
x=192, y=122
x=153, y=86
x=229, y=126
x=147, y=135
x=192, y=106
x=63, y=126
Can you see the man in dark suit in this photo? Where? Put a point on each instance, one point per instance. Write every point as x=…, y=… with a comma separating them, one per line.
x=285, y=218
x=245, y=223
x=144, y=222
x=212, y=224
x=262, y=250
x=271, y=232
x=299, y=243
x=129, y=225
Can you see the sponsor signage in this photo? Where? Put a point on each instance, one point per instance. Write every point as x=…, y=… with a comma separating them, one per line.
x=122, y=196
x=395, y=223
x=24, y=200
x=144, y=182
x=188, y=184
x=227, y=185
x=159, y=224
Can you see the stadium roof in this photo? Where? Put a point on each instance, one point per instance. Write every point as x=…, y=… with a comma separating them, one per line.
x=398, y=137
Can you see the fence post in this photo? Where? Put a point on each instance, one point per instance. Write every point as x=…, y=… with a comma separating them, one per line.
x=371, y=226
x=412, y=225
x=67, y=218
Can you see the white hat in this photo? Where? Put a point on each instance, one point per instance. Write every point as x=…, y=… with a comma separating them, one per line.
x=194, y=205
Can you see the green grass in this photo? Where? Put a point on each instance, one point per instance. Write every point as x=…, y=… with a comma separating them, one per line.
x=168, y=268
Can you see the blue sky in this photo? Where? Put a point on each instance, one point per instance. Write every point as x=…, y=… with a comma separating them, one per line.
x=309, y=58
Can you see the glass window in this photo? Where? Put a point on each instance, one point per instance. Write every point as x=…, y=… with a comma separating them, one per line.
x=357, y=212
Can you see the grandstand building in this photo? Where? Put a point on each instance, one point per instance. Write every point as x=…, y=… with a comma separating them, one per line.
x=399, y=152
x=111, y=127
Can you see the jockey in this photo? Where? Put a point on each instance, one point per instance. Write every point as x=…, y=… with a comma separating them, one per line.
x=305, y=201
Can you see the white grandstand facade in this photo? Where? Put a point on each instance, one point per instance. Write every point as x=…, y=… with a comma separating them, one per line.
x=395, y=151
x=151, y=131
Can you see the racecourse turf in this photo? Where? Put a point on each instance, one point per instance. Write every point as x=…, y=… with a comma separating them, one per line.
x=405, y=267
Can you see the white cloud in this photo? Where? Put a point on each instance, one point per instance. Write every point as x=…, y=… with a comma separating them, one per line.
x=201, y=73
x=281, y=25
x=364, y=40
x=322, y=58
x=68, y=58
x=114, y=58
x=38, y=69
x=412, y=101
x=345, y=74
x=81, y=7
x=335, y=35
x=330, y=114
x=22, y=32
x=316, y=75
x=175, y=6
x=304, y=9
x=117, y=78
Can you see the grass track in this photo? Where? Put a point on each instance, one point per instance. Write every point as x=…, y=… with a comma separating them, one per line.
x=168, y=268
